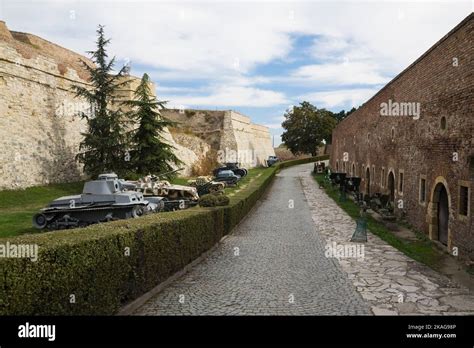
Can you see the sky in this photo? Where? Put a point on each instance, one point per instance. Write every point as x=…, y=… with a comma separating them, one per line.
x=256, y=57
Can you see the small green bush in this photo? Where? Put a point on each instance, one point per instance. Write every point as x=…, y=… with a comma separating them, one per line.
x=222, y=200
x=208, y=200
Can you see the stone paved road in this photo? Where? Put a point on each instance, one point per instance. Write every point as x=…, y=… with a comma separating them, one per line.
x=280, y=268
x=391, y=282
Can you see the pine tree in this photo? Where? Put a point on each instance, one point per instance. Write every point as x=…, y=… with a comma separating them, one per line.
x=104, y=146
x=149, y=153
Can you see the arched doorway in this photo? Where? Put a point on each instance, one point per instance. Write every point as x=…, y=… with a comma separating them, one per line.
x=442, y=213
x=367, y=181
x=391, y=186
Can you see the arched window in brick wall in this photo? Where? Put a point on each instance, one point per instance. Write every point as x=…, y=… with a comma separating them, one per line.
x=443, y=123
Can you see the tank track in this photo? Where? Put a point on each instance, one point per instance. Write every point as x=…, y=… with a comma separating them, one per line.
x=82, y=217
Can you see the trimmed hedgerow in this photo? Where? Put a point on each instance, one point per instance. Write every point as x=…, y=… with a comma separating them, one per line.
x=98, y=269
x=208, y=200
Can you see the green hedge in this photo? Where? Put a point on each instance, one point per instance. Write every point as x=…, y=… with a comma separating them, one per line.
x=94, y=264
x=302, y=161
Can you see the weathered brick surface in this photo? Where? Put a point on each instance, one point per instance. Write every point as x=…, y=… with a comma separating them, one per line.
x=421, y=147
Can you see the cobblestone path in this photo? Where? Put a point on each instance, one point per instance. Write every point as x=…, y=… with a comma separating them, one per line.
x=272, y=264
x=390, y=281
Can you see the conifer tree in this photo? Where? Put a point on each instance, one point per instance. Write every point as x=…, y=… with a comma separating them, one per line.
x=104, y=147
x=150, y=154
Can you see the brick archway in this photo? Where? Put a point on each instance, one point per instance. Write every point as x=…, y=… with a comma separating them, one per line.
x=439, y=184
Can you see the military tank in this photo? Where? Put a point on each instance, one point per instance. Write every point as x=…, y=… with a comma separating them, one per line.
x=234, y=167
x=102, y=200
x=174, y=197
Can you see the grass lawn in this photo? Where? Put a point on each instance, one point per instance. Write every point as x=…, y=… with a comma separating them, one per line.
x=421, y=250
x=17, y=207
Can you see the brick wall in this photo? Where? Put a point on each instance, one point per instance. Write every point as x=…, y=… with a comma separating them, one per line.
x=442, y=82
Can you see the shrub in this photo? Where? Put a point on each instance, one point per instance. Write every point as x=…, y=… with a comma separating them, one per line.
x=208, y=200
x=221, y=199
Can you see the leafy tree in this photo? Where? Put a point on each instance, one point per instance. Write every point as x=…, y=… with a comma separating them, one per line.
x=104, y=146
x=343, y=114
x=340, y=116
x=149, y=153
x=306, y=127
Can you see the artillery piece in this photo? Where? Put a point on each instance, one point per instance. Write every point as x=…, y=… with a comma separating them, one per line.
x=206, y=185
x=337, y=178
x=102, y=200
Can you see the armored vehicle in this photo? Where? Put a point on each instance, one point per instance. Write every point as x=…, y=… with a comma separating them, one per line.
x=234, y=167
x=272, y=160
x=102, y=200
x=151, y=185
x=206, y=185
x=228, y=177
x=173, y=196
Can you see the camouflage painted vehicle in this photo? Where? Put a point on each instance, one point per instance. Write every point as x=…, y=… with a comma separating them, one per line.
x=175, y=197
x=102, y=200
x=205, y=185
x=151, y=185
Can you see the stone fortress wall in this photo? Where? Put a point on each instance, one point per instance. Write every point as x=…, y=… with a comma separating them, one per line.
x=40, y=131
x=231, y=134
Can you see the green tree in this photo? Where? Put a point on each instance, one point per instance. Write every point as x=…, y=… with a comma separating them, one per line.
x=149, y=153
x=306, y=127
x=104, y=147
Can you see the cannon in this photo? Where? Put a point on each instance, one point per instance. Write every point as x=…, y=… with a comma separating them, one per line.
x=102, y=200
x=352, y=183
x=206, y=185
x=337, y=178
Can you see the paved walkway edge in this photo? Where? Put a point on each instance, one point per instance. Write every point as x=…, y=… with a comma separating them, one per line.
x=131, y=307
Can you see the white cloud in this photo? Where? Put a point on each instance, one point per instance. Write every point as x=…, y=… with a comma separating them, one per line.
x=273, y=125
x=219, y=44
x=345, y=73
x=339, y=98
x=207, y=38
x=231, y=96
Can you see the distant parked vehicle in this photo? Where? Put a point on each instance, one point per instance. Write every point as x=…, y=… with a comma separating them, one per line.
x=272, y=160
x=228, y=177
x=234, y=167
